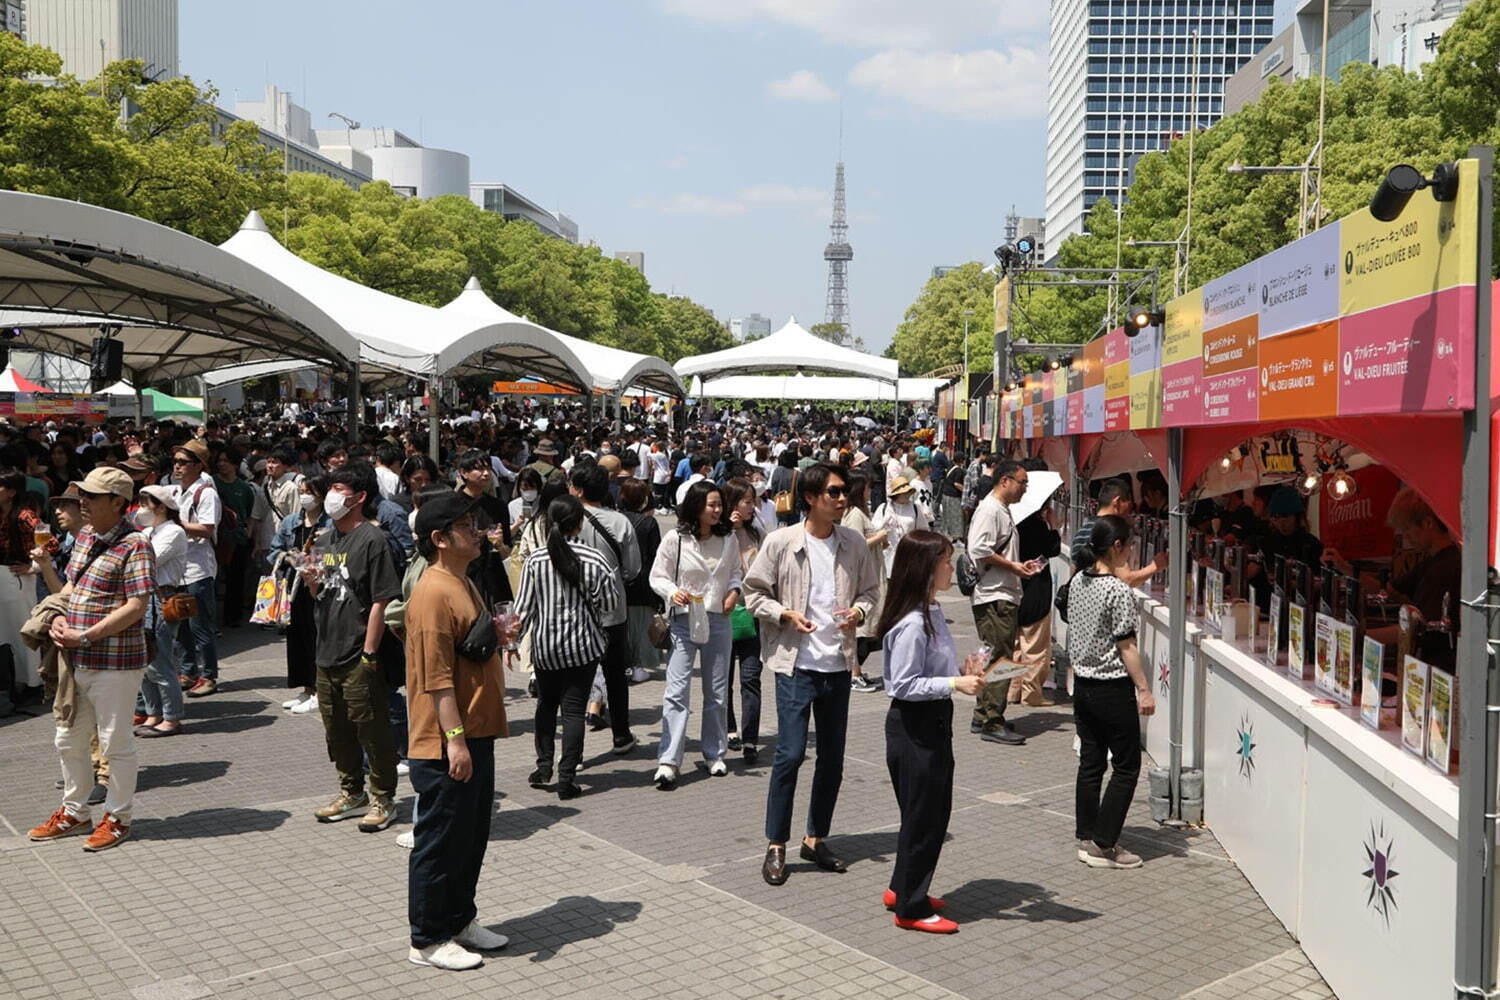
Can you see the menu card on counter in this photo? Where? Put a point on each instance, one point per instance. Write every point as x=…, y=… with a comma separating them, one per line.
x=1296, y=641
x=1414, y=675
x=1440, y=715
x=1273, y=629
x=1334, y=670
x=1254, y=616
x=1371, y=710
x=1323, y=653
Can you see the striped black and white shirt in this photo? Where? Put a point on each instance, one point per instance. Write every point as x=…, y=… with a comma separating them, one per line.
x=562, y=620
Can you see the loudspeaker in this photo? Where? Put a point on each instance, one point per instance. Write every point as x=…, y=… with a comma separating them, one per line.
x=107, y=363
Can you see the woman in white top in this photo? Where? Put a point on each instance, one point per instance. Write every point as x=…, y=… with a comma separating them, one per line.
x=899, y=516
x=699, y=563
x=661, y=472
x=161, y=693
x=857, y=516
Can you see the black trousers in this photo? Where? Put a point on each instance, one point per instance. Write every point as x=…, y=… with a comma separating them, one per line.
x=452, y=833
x=568, y=690
x=919, y=754
x=1108, y=724
x=617, y=678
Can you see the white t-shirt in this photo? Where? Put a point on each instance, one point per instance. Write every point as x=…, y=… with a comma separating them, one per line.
x=822, y=650
x=661, y=467
x=201, y=508
x=390, y=483
x=682, y=490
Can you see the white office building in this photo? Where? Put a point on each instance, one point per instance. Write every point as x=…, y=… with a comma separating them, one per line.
x=1121, y=79
x=408, y=166
x=507, y=202
x=90, y=34
x=752, y=327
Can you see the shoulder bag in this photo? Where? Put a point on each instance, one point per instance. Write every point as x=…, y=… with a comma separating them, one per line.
x=660, y=629
x=786, y=500
x=481, y=641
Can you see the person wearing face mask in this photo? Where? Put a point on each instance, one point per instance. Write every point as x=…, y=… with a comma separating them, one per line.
x=159, y=704
x=523, y=507
x=294, y=537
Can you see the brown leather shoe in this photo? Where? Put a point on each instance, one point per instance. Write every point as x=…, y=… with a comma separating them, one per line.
x=773, y=869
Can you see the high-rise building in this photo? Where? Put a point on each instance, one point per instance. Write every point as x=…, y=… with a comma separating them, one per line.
x=13, y=17
x=752, y=327
x=286, y=128
x=506, y=201
x=632, y=258
x=1121, y=81
x=90, y=34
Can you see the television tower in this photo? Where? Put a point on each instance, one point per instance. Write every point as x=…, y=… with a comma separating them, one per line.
x=838, y=253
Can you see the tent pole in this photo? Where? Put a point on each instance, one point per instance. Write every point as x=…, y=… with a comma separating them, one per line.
x=619, y=407
x=1478, y=730
x=1176, y=616
x=432, y=418
x=356, y=402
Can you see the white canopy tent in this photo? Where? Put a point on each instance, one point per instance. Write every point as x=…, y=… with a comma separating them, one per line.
x=609, y=368
x=816, y=388
x=71, y=272
x=790, y=347
x=407, y=336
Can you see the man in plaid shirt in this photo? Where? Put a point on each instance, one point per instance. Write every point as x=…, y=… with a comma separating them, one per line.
x=109, y=582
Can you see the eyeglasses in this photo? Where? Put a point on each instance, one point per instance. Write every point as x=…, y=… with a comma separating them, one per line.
x=1018, y=482
x=835, y=492
x=184, y=461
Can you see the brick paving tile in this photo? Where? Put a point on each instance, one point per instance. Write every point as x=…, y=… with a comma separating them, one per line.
x=229, y=889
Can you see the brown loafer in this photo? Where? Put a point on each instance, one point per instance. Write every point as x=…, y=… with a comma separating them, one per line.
x=773, y=869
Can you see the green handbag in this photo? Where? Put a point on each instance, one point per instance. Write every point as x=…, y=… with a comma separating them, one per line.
x=742, y=623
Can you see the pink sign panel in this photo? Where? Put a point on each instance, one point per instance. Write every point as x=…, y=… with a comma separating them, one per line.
x=1117, y=414
x=1075, y=413
x=1232, y=398
x=1410, y=356
x=1116, y=347
x=1182, y=394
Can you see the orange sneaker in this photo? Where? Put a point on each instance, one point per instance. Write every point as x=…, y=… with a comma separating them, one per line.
x=107, y=834
x=59, y=824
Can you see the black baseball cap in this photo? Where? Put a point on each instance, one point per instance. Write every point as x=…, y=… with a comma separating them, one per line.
x=438, y=513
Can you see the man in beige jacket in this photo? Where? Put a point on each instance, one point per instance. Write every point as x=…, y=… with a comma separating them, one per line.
x=811, y=586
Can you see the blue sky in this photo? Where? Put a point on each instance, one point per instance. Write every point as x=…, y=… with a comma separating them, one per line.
x=703, y=132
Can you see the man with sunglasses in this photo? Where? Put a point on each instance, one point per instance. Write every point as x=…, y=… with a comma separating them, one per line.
x=811, y=585
x=996, y=550
x=201, y=513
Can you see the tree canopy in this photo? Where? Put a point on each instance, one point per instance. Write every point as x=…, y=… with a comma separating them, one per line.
x=162, y=161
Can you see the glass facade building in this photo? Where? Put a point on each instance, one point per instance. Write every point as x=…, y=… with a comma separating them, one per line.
x=1121, y=84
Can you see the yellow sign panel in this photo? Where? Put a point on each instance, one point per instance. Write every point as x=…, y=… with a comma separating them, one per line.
x=1182, y=340
x=1002, y=304
x=1145, y=400
x=1060, y=383
x=1428, y=248
x=1117, y=379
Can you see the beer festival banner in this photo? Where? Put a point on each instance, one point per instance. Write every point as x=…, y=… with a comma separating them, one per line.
x=1359, y=318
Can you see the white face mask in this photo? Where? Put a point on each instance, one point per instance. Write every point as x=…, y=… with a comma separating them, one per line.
x=308, y=501
x=335, y=505
x=143, y=518
x=529, y=496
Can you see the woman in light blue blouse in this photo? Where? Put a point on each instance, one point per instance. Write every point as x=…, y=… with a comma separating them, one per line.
x=921, y=674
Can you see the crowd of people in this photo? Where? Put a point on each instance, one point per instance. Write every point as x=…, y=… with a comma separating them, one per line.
x=582, y=558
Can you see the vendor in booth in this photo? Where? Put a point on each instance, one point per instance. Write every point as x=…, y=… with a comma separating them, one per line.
x=1430, y=584
x=1287, y=536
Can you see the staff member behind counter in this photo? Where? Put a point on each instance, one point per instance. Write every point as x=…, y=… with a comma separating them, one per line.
x=1425, y=586
x=1287, y=537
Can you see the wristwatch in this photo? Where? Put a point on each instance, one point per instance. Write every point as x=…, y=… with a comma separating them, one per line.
x=84, y=642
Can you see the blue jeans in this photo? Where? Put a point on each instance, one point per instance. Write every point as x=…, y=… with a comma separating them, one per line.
x=161, y=693
x=714, y=667
x=204, y=652
x=826, y=697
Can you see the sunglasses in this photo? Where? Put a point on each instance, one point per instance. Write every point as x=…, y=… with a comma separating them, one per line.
x=184, y=461
x=835, y=492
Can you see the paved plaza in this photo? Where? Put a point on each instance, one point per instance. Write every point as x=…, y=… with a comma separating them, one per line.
x=228, y=888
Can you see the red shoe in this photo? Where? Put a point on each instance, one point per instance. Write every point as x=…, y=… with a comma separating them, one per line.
x=932, y=901
x=138, y=720
x=932, y=925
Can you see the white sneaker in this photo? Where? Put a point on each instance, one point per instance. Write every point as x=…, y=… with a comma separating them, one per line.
x=480, y=938
x=448, y=955
x=403, y=768
x=717, y=769
x=406, y=839
x=665, y=777
x=640, y=675
x=305, y=706
x=294, y=702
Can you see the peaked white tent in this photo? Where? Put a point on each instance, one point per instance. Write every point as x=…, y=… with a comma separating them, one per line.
x=609, y=368
x=407, y=336
x=790, y=347
x=816, y=388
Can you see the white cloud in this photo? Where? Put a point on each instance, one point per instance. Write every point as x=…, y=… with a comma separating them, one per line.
x=692, y=204
x=782, y=194
x=983, y=85
x=879, y=23
x=802, y=85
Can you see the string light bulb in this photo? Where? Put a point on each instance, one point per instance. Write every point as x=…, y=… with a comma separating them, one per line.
x=1308, y=484
x=1341, y=485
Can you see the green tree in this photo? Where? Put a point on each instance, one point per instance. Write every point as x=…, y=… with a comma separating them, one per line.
x=930, y=336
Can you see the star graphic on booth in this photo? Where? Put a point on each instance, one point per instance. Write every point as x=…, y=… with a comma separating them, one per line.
x=1378, y=852
x=1164, y=675
x=1245, y=747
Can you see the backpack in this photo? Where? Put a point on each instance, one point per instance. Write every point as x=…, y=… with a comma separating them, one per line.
x=226, y=532
x=967, y=574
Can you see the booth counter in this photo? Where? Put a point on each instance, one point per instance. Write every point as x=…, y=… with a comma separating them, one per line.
x=1351, y=841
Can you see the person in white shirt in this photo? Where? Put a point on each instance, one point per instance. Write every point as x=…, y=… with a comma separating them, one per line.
x=388, y=470
x=698, y=563
x=200, y=507
x=160, y=700
x=898, y=517
x=659, y=461
x=701, y=466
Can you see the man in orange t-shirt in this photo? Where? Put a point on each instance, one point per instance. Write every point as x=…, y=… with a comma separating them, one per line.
x=456, y=707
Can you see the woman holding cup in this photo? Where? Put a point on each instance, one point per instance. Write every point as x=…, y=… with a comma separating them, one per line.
x=921, y=674
x=697, y=572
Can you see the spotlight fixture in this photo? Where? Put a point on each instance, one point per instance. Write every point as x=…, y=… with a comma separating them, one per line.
x=1227, y=462
x=1026, y=246
x=1066, y=360
x=1011, y=387
x=1341, y=485
x=1139, y=319
x=1054, y=364
x=1308, y=484
x=1404, y=180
